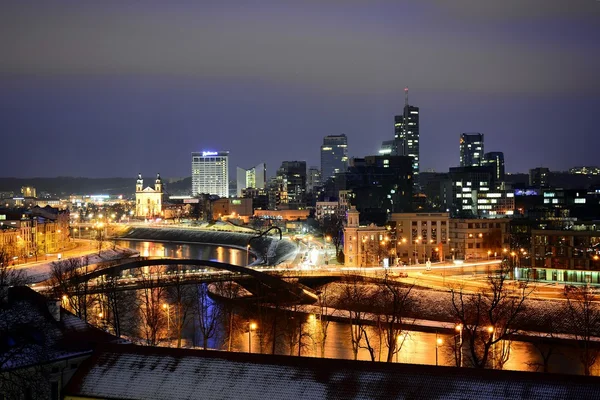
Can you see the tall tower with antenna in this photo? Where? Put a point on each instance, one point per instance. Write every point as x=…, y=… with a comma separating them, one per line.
x=406, y=135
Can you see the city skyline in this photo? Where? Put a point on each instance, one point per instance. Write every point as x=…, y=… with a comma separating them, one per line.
x=282, y=77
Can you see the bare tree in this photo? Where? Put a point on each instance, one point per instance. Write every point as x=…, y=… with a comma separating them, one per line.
x=396, y=302
x=489, y=318
x=584, y=322
x=67, y=278
x=151, y=312
x=230, y=291
x=323, y=319
x=9, y=275
x=333, y=228
x=354, y=299
x=209, y=315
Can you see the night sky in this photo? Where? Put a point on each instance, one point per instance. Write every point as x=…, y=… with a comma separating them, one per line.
x=113, y=88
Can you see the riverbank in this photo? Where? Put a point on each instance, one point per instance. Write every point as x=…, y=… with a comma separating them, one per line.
x=269, y=249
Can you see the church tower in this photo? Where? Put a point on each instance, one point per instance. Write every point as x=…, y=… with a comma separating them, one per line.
x=158, y=184
x=140, y=184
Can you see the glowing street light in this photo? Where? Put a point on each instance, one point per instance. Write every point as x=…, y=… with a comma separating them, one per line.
x=167, y=309
x=459, y=329
x=251, y=327
x=438, y=343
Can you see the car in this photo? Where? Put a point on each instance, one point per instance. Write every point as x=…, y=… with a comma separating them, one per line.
x=402, y=275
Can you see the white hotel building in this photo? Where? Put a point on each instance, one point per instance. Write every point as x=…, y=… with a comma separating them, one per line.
x=210, y=172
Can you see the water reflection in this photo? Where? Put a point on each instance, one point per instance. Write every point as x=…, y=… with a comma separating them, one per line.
x=294, y=333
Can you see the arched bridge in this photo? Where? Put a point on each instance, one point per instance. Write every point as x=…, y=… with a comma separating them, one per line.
x=276, y=288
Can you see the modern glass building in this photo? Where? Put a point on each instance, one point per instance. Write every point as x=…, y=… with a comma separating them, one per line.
x=255, y=177
x=292, y=178
x=471, y=149
x=406, y=137
x=495, y=159
x=334, y=156
x=210, y=171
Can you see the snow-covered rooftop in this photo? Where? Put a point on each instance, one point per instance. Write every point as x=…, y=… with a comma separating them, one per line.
x=135, y=372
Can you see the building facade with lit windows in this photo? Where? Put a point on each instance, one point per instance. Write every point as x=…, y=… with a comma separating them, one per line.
x=334, y=155
x=210, y=172
x=479, y=239
x=471, y=149
x=148, y=200
x=365, y=246
x=255, y=177
x=570, y=255
x=421, y=237
x=406, y=136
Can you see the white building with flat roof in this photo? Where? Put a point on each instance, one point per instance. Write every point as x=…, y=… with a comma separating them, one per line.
x=210, y=171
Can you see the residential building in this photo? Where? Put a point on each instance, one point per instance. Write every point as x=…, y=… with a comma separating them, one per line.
x=379, y=186
x=538, y=177
x=421, y=237
x=365, y=246
x=28, y=191
x=495, y=160
x=323, y=209
x=314, y=180
x=334, y=155
x=478, y=239
x=567, y=255
x=210, y=171
x=291, y=181
x=589, y=170
x=471, y=149
x=255, y=177
x=148, y=200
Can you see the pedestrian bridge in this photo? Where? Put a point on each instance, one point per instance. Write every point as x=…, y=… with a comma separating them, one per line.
x=271, y=288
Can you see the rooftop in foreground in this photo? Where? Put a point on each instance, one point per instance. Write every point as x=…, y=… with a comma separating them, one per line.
x=134, y=372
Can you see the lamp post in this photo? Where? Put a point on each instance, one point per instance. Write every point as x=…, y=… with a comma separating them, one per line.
x=438, y=343
x=491, y=330
x=166, y=308
x=251, y=327
x=247, y=253
x=459, y=329
x=415, y=252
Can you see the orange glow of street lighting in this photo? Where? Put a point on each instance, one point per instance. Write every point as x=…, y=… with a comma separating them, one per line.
x=490, y=329
x=458, y=327
x=253, y=326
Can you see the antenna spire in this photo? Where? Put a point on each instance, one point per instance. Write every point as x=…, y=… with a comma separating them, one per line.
x=406, y=96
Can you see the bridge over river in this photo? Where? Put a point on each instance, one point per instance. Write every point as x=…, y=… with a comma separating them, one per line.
x=267, y=287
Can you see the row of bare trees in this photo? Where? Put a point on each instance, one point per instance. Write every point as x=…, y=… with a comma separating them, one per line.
x=378, y=314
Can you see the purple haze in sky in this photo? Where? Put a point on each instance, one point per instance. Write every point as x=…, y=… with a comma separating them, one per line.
x=115, y=88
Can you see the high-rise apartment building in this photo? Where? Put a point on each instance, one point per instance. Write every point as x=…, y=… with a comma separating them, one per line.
x=313, y=182
x=334, y=155
x=471, y=149
x=292, y=182
x=255, y=177
x=210, y=171
x=495, y=159
x=538, y=177
x=406, y=135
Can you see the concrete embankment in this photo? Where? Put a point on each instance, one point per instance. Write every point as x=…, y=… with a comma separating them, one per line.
x=269, y=249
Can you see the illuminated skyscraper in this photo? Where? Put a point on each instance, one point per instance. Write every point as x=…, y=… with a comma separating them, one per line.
x=471, y=149
x=255, y=177
x=210, y=171
x=334, y=156
x=406, y=135
x=495, y=159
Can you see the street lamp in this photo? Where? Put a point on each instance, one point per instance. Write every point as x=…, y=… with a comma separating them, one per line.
x=491, y=330
x=459, y=329
x=438, y=343
x=166, y=308
x=251, y=327
x=247, y=253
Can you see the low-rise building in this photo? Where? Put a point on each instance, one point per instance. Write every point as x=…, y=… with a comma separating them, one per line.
x=421, y=237
x=478, y=238
x=570, y=255
x=365, y=246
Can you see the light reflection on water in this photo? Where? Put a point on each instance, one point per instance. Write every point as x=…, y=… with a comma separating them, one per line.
x=417, y=348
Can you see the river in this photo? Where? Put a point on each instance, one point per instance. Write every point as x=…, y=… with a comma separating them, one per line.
x=418, y=347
